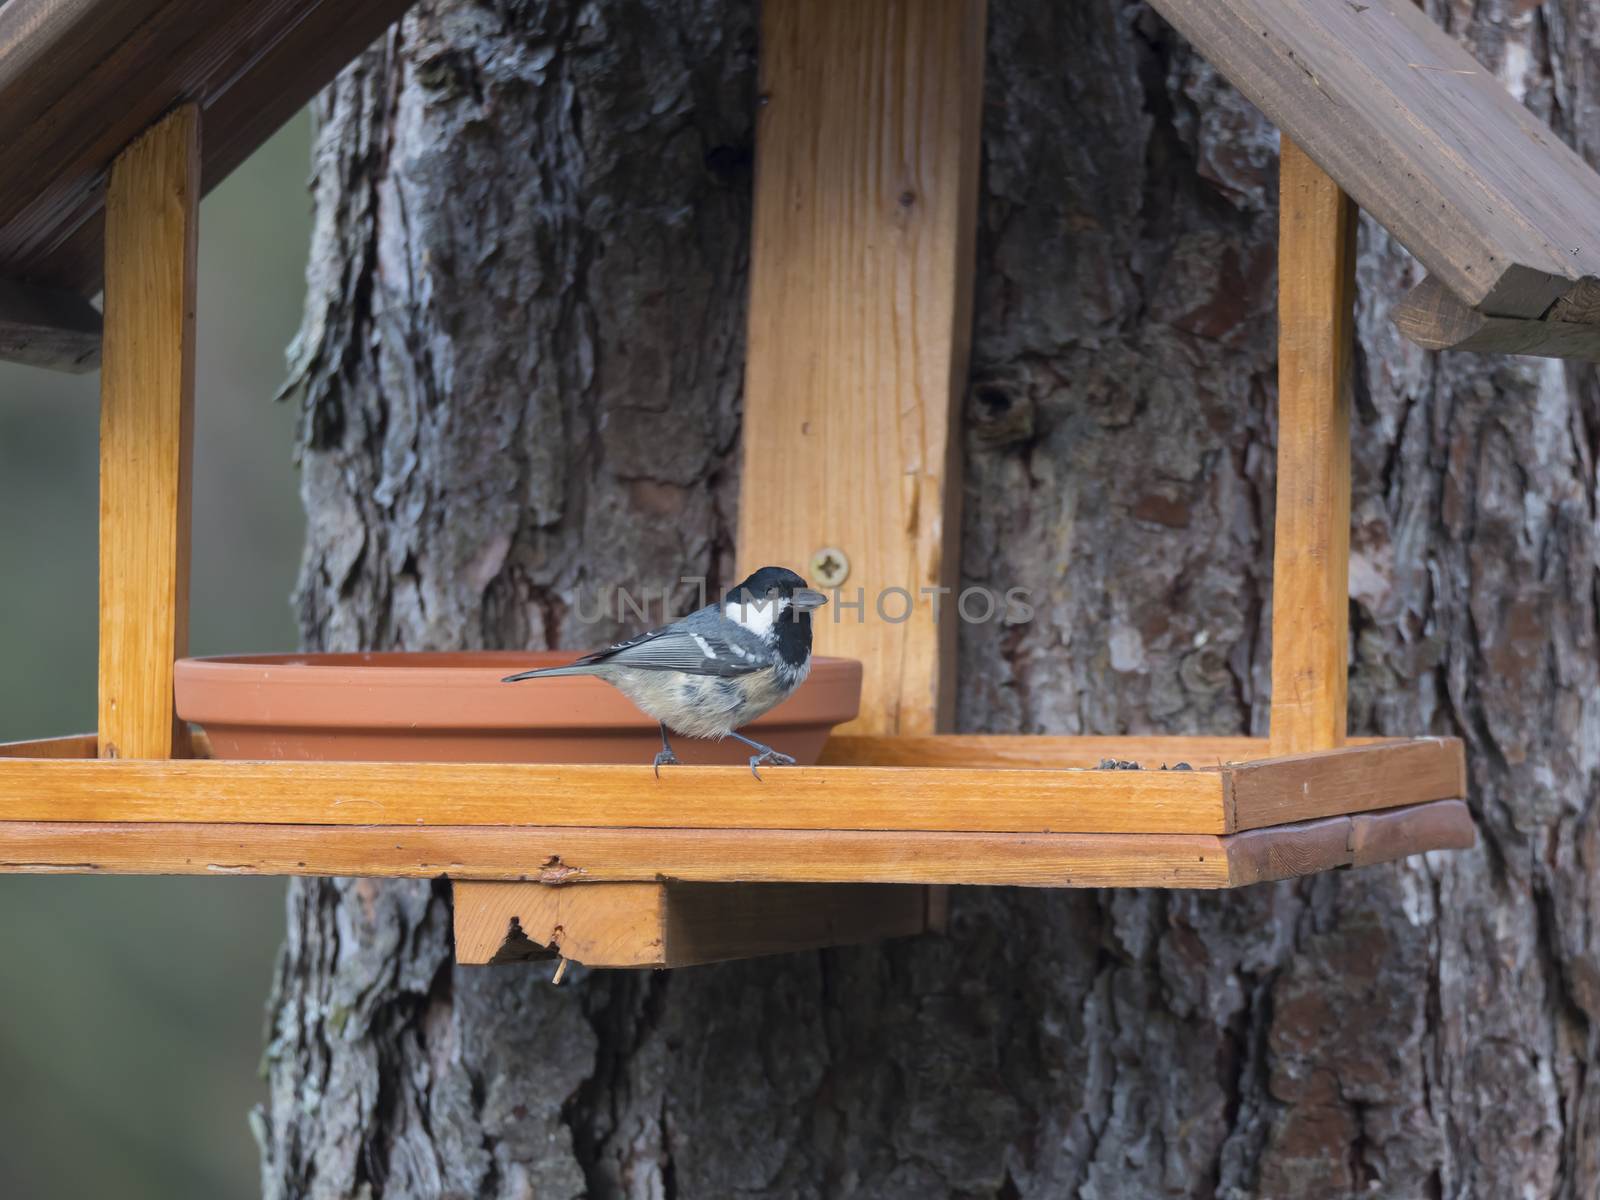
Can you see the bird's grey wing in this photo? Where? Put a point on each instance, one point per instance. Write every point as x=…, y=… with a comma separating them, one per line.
x=707, y=650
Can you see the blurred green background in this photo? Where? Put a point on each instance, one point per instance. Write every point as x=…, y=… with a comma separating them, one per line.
x=131, y=1009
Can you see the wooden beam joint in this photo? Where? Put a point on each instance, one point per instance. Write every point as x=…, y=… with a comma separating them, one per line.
x=1435, y=318
x=48, y=327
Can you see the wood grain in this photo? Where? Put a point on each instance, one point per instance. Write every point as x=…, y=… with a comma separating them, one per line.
x=860, y=314
x=81, y=745
x=79, y=79
x=1280, y=790
x=147, y=435
x=1034, y=750
x=335, y=793
x=1398, y=832
x=59, y=782
x=1435, y=318
x=581, y=855
x=48, y=327
x=1288, y=851
x=1042, y=750
x=1421, y=136
x=597, y=924
x=1311, y=555
x=732, y=856
x=674, y=924
x=866, y=198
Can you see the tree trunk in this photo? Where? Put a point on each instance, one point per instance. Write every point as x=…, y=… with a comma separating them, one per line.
x=520, y=370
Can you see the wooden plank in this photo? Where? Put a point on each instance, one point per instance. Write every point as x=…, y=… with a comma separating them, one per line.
x=1380, y=774
x=1400, y=832
x=147, y=436
x=49, y=47
x=48, y=327
x=723, y=856
x=597, y=924
x=573, y=856
x=80, y=78
x=1435, y=318
x=1311, y=555
x=1305, y=848
x=1293, y=788
x=1424, y=138
x=674, y=924
x=82, y=745
x=1287, y=851
x=340, y=793
x=1043, y=750
x=860, y=315
x=1026, y=750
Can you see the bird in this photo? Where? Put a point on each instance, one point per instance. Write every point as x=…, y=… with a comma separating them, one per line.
x=717, y=669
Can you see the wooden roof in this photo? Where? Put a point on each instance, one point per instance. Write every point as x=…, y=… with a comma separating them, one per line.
x=1504, y=216
x=80, y=79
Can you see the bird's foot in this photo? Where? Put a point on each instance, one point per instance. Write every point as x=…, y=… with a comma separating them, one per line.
x=665, y=758
x=769, y=758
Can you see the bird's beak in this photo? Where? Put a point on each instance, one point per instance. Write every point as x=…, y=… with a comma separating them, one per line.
x=805, y=599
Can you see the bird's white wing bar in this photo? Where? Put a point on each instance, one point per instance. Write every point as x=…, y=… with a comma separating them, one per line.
x=707, y=651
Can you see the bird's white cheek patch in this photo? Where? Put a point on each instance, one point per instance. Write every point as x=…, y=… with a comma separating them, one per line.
x=757, y=616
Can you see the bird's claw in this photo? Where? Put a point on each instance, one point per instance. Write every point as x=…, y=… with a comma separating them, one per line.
x=772, y=758
x=665, y=758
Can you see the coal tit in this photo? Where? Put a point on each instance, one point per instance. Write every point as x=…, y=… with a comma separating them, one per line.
x=720, y=667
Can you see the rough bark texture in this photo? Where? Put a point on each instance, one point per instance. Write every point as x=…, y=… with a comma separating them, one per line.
x=520, y=369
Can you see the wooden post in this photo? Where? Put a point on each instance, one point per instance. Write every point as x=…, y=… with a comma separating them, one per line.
x=1311, y=560
x=861, y=266
x=146, y=435
x=860, y=315
x=860, y=308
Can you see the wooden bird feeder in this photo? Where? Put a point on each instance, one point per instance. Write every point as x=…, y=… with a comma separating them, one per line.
x=116, y=116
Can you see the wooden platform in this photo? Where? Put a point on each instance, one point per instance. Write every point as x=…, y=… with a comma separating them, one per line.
x=1063, y=823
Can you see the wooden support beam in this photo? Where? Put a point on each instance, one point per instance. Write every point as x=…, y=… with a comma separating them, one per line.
x=1434, y=317
x=860, y=314
x=731, y=857
x=48, y=327
x=1311, y=559
x=146, y=435
x=1361, y=840
x=675, y=924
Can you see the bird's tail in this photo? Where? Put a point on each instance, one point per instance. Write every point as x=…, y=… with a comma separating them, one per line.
x=549, y=673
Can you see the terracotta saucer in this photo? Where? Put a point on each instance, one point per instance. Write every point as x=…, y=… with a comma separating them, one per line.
x=453, y=707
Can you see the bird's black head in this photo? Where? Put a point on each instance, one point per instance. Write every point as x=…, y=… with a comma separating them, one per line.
x=776, y=603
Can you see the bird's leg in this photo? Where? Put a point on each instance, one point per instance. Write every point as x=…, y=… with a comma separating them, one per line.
x=767, y=756
x=665, y=757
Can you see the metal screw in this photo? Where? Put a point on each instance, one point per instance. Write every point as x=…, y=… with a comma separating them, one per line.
x=830, y=567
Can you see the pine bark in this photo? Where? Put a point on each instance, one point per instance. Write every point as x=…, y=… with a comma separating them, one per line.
x=520, y=371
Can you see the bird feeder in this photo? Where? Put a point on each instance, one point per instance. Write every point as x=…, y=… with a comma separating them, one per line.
x=117, y=117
